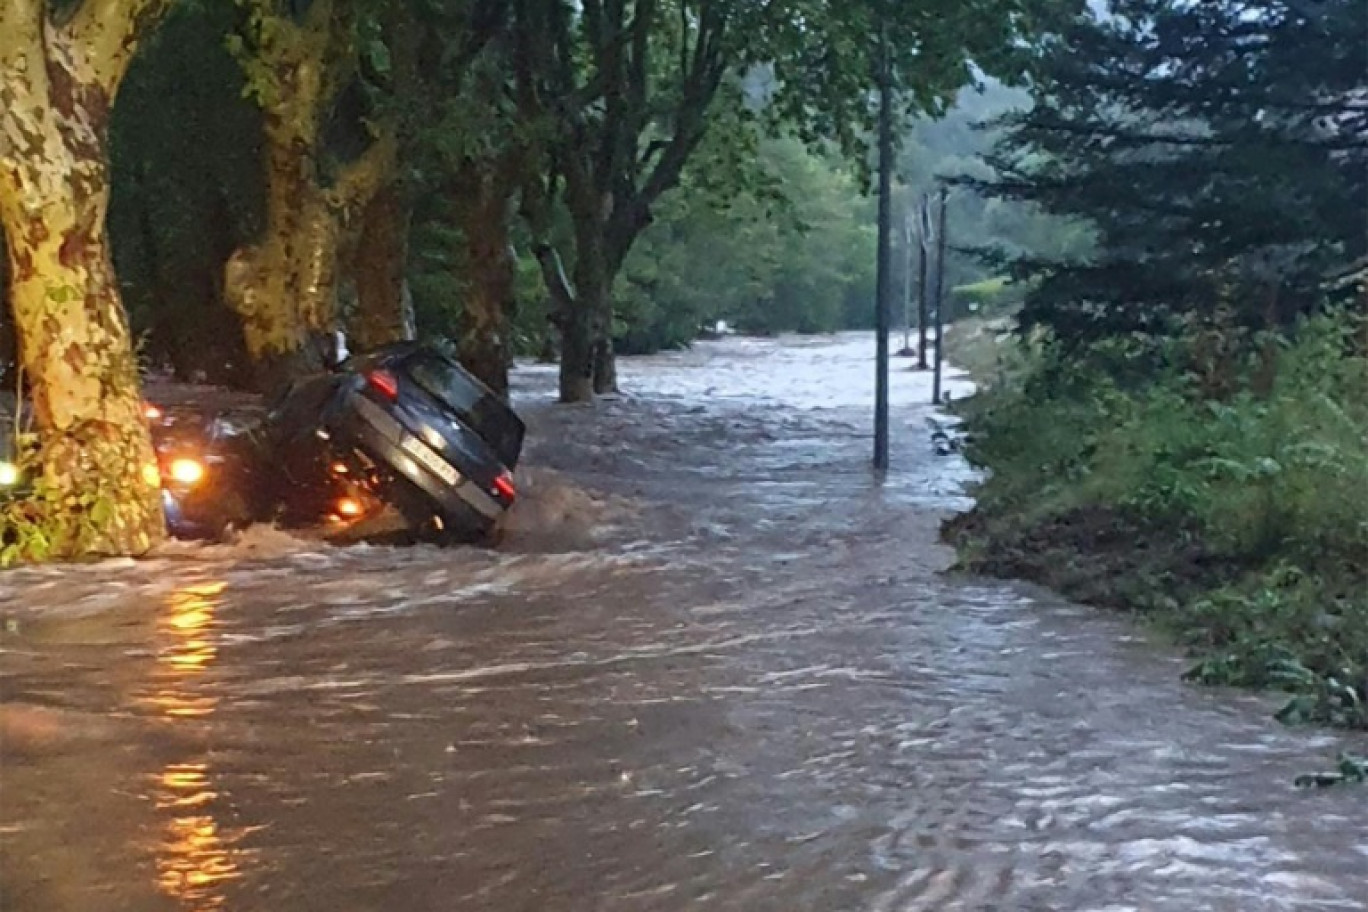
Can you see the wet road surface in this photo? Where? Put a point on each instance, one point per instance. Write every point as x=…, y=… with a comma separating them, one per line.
x=717, y=667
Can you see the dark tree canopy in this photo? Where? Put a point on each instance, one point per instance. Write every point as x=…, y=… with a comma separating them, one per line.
x=1220, y=149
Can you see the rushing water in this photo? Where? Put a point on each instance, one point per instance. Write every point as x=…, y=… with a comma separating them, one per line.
x=718, y=666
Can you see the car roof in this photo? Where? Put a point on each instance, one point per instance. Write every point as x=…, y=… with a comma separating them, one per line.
x=402, y=351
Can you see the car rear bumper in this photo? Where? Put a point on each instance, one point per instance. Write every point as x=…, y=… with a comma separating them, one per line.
x=464, y=504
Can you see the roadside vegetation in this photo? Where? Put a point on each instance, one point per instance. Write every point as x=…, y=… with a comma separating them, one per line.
x=1177, y=423
x=1238, y=520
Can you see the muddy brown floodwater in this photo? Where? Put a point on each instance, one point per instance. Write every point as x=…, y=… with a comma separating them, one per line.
x=717, y=667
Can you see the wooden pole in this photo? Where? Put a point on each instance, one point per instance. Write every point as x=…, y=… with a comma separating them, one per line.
x=940, y=298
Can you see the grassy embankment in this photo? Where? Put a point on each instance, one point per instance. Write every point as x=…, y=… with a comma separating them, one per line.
x=1220, y=488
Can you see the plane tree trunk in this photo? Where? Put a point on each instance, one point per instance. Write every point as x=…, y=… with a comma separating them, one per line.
x=284, y=286
x=58, y=81
x=384, y=312
x=482, y=194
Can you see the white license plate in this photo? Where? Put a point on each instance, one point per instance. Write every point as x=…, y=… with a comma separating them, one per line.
x=428, y=458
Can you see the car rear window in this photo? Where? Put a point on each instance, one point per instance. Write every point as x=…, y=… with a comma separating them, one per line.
x=472, y=401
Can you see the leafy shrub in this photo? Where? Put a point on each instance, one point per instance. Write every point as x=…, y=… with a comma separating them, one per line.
x=1268, y=479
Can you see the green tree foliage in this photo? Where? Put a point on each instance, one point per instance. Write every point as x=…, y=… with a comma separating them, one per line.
x=784, y=239
x=628, y=98
x=1220, y=149
x=632, y=88
x=786, y=253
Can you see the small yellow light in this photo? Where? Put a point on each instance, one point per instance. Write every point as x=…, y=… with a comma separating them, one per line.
x=339, y=468
x=187, y=471
x=9, y=474
x=151, y=412
x=347, y=506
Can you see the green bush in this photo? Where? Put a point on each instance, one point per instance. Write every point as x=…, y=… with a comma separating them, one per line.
x=1265, y=485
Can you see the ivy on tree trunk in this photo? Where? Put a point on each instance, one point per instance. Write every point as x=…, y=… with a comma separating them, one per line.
x=58, y=81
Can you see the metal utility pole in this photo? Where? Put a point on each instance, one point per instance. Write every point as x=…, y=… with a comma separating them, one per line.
x=923, y=239
x=883, y=283
x=940, y=298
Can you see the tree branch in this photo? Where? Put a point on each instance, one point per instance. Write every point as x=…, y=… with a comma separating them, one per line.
x=1141, y=138
x=108, y=32
x=362, y=178
x=701, y=82
x=555, y=279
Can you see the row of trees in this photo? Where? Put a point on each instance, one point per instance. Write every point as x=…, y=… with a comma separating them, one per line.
x=1218, y=149
x=577, y=117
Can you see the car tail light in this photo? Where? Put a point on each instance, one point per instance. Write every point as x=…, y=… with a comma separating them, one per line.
x=503, y=485
x=384, y=383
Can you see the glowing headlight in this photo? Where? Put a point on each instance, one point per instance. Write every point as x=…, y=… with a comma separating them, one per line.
x=186, y=471
x=9, y=474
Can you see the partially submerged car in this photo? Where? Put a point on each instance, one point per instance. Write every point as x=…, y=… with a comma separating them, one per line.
x=401, y=439
x=399, y=443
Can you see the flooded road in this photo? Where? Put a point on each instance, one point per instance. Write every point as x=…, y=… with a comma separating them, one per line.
x=717, y=667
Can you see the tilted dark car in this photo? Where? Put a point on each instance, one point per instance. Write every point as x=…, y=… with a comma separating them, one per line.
x=401, y=439
x=401, y=442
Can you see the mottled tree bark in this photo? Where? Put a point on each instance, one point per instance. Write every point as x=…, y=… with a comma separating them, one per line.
x=57, y=85
x=284, y=287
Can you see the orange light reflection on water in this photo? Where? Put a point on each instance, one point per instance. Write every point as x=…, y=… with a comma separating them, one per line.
x=195, y=857
x=189, y=649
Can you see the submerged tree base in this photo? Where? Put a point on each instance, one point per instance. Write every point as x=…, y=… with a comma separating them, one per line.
x=107, y=504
